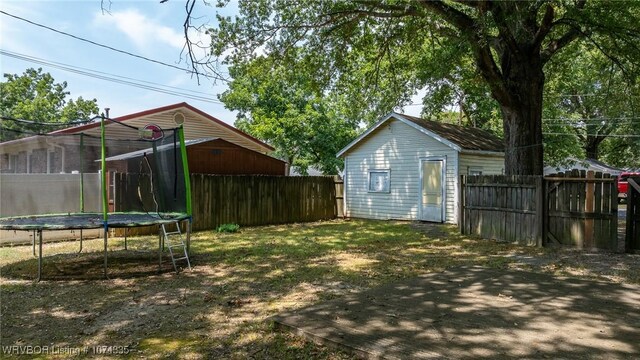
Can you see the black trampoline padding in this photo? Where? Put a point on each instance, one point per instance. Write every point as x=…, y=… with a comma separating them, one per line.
x=72, y=221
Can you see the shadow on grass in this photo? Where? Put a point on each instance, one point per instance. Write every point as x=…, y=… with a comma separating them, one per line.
x=89, y=266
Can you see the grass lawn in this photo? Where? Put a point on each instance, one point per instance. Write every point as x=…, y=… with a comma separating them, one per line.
x=219, y=309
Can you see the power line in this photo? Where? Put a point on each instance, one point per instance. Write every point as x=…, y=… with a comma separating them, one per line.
x=603, y=135
x=593, y=119
x=110, y=47
x=51, y=63
x=597, y=123
x=584, y=95
x=77, y=122
x=110, y=77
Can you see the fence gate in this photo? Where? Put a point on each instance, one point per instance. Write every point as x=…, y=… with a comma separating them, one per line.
x=632, y=241
x=502, y=207
x=582, y=210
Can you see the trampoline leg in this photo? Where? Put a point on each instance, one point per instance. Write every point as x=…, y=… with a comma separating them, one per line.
x=80, y=241
x=160, y=248
x=188, y=237
x=126, y=231
x=34, y=243
x=39, y=255
x=105, y=254
x=161, y=237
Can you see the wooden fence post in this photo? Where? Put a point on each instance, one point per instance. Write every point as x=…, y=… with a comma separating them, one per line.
x=614, y=213
x=589, y=208
x=339, y=198
x=633, y=198
x=461, y=205
x=541, y=196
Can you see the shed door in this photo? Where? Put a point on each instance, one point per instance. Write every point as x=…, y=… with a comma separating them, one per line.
x=432, y=190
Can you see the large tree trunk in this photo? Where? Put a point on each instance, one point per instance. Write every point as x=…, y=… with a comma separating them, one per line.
x=591, y=150
x=521, y=109
x=592, y=145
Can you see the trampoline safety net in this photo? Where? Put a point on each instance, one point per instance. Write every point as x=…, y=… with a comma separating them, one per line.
x=104, y=173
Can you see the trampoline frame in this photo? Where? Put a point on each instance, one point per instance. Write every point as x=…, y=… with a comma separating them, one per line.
x=101, y=220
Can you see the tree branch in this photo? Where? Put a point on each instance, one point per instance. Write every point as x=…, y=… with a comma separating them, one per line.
x=571, y=35
x=385, y=7
x=199, y=66
x=457, y=18
x=499, y=17
x=479, y=45
x=545, y=26
x=556, y=45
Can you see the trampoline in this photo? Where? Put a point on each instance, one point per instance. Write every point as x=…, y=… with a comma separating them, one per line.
x=80, y=221
x=149, y=186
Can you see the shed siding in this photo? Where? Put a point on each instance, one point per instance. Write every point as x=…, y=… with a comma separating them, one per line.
x=397, y=147
x=488, y=164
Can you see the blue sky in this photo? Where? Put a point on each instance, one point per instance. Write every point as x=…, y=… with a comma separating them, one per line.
x=146, y=28
x=143, y=27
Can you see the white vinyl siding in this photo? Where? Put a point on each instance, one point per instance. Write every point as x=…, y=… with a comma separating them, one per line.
x=399, y=148
x=488, y=164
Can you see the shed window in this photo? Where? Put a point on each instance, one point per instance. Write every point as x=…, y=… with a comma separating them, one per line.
x=379, y=180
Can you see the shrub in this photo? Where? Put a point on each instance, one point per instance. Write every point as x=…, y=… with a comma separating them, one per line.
x=228, y=228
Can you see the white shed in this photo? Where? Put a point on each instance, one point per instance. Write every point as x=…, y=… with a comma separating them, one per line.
x=409, y=168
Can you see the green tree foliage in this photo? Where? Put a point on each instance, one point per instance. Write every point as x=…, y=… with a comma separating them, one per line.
x=589, y=101
x=463, y=89
x=36, y=97
x=282, y=106
x=383, y=51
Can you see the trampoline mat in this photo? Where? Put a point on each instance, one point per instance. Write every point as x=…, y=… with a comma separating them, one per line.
x=87, y=220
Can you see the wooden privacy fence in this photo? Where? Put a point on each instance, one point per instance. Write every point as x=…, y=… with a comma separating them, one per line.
x=261, y=200
x=502, y=207
x=250, y=200
x=582, y=210
x=574, y=208
x=632, y=243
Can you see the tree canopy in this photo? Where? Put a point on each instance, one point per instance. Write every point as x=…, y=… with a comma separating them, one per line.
x=588, y=103
x=280, y=105
x=35, y=97
x=381, y=52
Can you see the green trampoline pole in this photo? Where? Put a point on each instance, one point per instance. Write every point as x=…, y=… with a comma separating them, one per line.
x=187, y=185
x=81, y=182
x=39, y=255
x=105, y=204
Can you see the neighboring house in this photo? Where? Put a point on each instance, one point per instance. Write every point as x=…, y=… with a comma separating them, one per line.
x=59, y=153
x=586, y=164
x=311, y=171
x=408, y=168
x=209, y=156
